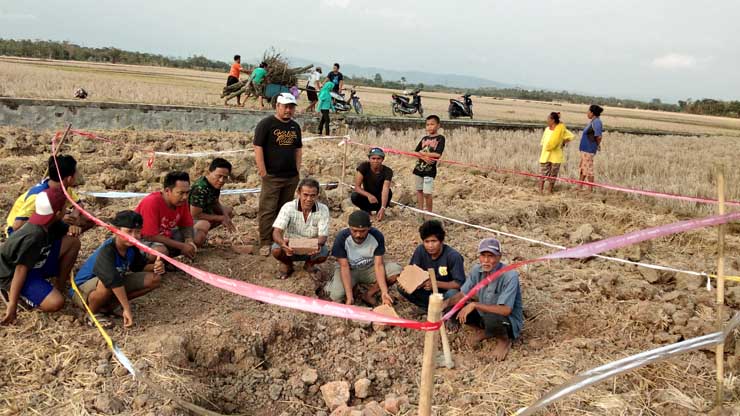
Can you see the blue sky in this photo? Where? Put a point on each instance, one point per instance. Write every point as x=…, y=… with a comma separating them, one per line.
x=644, y=49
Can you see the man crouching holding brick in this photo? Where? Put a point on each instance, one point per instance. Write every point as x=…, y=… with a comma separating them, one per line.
x=300, y=231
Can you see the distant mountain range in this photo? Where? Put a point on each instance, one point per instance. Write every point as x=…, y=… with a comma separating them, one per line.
x=413, y=77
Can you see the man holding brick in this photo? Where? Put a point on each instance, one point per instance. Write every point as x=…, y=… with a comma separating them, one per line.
x=300, y=231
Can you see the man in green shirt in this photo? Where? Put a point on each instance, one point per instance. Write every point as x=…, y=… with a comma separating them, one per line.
x=257, y=81
x=205, y=201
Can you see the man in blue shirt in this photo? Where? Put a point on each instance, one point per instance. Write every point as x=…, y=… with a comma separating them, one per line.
x=590, y=143
x=498, y=312
x=118, y=272
x=433, y=253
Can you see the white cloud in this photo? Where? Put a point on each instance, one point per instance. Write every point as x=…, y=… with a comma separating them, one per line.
x=335, y=3
x=675, y=61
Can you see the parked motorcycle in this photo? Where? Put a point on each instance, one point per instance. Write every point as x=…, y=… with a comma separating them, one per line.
x=461, y=108
x=347, y=104
x=407, y=105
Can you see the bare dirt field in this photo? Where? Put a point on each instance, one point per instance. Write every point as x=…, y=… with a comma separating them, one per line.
x=34, y=78
x=233, y=355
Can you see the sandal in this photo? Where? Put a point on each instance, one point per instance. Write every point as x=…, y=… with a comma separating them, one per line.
x=103, y=320
x=313, y=272
x=285, y=271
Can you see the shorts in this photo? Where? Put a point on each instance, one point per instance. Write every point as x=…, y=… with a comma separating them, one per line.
x=424, y=184
x=335, y=288
x=549, y=169
x=311, y=94
x=323, y=252
x=586, y=166
x=173, y=252
x=132, y=282
x=231, y=80
x=257, y=90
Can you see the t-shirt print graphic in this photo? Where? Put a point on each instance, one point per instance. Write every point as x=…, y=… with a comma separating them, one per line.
x=427, y=145
x=285, y=137
x=166, y=226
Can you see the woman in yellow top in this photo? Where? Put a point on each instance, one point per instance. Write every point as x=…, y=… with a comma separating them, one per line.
x=555, y=137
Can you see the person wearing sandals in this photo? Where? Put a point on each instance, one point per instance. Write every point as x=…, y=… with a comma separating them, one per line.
x=497, y=310
x=117, y=272
x=303, y=217
x=26, y=258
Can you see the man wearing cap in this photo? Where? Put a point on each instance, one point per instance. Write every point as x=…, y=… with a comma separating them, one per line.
x=117, y=269
x=359, y=251
x=66, y=244
x=277, y=153
x=373, y=184
x=26, y=260
x=497, y=313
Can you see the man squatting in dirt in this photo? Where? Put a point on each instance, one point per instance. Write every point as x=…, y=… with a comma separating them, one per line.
x=497, y=313
x=116, y=273
x=27, y=258
x=303, y=217
x=359, y=251
x=205, y=201
x=167, y=218
x=67, y=243
x=373, y=184
x=278, y=153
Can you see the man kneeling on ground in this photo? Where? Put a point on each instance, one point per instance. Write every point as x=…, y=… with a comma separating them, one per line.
x=205, y=201
x=303, y=217
x=359, y=251
x=498, y=311
x=167, y=218
x=117, y=268
x=27, y=258
x=433, y=253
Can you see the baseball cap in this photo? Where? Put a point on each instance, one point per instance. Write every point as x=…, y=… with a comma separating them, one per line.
x=490, y=245
x=286, y=98
x=359, y=219
x=128, y=219
x=376, y=151
x=48, y=203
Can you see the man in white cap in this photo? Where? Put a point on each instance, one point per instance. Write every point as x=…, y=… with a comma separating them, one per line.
x=26, y=260
x=277, y=153
x=497, y=313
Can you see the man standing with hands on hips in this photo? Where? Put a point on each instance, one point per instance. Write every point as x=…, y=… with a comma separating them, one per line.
x=277, y=153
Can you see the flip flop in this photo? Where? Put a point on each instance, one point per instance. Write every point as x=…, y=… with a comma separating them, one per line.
x=103, y=320
x=285, y=272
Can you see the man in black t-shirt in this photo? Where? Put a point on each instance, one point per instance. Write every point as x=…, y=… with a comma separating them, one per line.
x=26, y=259
x=373, y=184
x=428, y=151
x=277, y=152
x=337, y=78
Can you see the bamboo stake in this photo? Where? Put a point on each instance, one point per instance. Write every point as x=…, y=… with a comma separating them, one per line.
x=442, y=331
x=434, y=314
x=58, y=146
x=720, y=353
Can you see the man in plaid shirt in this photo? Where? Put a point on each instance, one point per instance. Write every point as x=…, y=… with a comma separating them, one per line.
x=303, y=217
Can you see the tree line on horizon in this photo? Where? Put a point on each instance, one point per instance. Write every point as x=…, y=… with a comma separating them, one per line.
x=44, y=49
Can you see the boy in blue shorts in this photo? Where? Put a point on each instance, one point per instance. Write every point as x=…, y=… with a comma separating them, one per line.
x=27, y=258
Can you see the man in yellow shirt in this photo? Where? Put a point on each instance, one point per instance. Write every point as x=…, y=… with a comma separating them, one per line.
x=68, y=246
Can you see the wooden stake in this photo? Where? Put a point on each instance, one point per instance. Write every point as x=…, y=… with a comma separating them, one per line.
x=720, y=353
x=442, y=331
x=57, y=147
x=344, y=167
x=434, y=314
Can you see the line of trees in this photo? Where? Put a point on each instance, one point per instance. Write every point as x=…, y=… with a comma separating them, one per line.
x=69, y=51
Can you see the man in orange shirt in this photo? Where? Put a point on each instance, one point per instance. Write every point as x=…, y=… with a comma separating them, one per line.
x=236, y=69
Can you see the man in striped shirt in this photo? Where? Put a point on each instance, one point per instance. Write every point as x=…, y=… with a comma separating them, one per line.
x=303, y=217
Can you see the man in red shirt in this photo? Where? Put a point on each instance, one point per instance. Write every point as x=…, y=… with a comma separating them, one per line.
x=167, y=218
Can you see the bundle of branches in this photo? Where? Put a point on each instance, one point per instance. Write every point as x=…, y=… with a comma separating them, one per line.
x=278, y=71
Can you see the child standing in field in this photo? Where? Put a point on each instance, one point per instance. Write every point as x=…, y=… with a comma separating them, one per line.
x=429, y=150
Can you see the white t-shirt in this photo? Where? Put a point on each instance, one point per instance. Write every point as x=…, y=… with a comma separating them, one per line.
x=313, y=79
